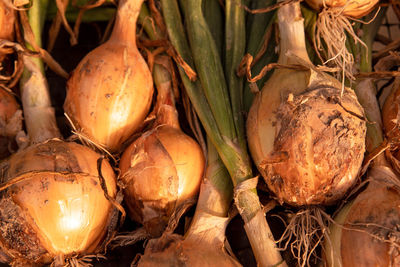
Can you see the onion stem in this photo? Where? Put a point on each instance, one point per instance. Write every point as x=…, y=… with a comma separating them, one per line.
x=213, y=14
x=39, y=115
x=224, y=136
x=235, y=44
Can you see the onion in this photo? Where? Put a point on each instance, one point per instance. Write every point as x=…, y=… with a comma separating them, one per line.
x=305, y=133
x=366, y=230
x=58, y=208
x=163, y=168
x=110, y=91
x=352, y=8
x=10, y=122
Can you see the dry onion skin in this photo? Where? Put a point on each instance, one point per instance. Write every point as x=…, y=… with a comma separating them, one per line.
x=10, y=122
x=58, y=210
x=366, y=232
x=351, y=8
x=306, y=134
x=110, y=91
x=7, y=19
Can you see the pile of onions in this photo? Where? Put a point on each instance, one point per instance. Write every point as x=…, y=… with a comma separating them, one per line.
x=110, y=91
x=163, y=168
x=57, y=202
x=306, y=135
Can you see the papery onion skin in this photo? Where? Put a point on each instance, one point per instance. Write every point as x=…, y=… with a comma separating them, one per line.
x=160, y=170
x=7, y=19
x=352, y=8
x=110, y=91
x=318, y=147
x=60, y=209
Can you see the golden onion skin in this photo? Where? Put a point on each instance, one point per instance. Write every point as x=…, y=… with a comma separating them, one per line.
x=110, y=91
x=352, y=8
x=160, y=170
x=59, y=209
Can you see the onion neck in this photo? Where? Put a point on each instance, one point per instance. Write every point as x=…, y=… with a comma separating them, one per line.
x=165, y=106
x=291, y=30
x=124, y=30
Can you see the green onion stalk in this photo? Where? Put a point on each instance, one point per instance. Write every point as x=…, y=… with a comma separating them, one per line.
x=365, y=231
x=218, y=105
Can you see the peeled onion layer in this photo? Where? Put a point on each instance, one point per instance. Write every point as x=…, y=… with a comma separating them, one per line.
x=160, y=171
x=58, y=208
x=366, y=231
x=307, y=137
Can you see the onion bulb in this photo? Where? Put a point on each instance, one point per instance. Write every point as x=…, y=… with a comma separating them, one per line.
x=366, y=230
x=10, y=122
x=351, y=8
x=57, y=209
x=161, y=169
x=305, y=132
x=110, y=91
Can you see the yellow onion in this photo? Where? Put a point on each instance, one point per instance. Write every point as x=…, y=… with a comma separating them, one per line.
x=366, y=230
x=351, y=8
x=10, y=122
x=110, y=91
x=305, y=132
x=58, y=209
x=163, y=168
